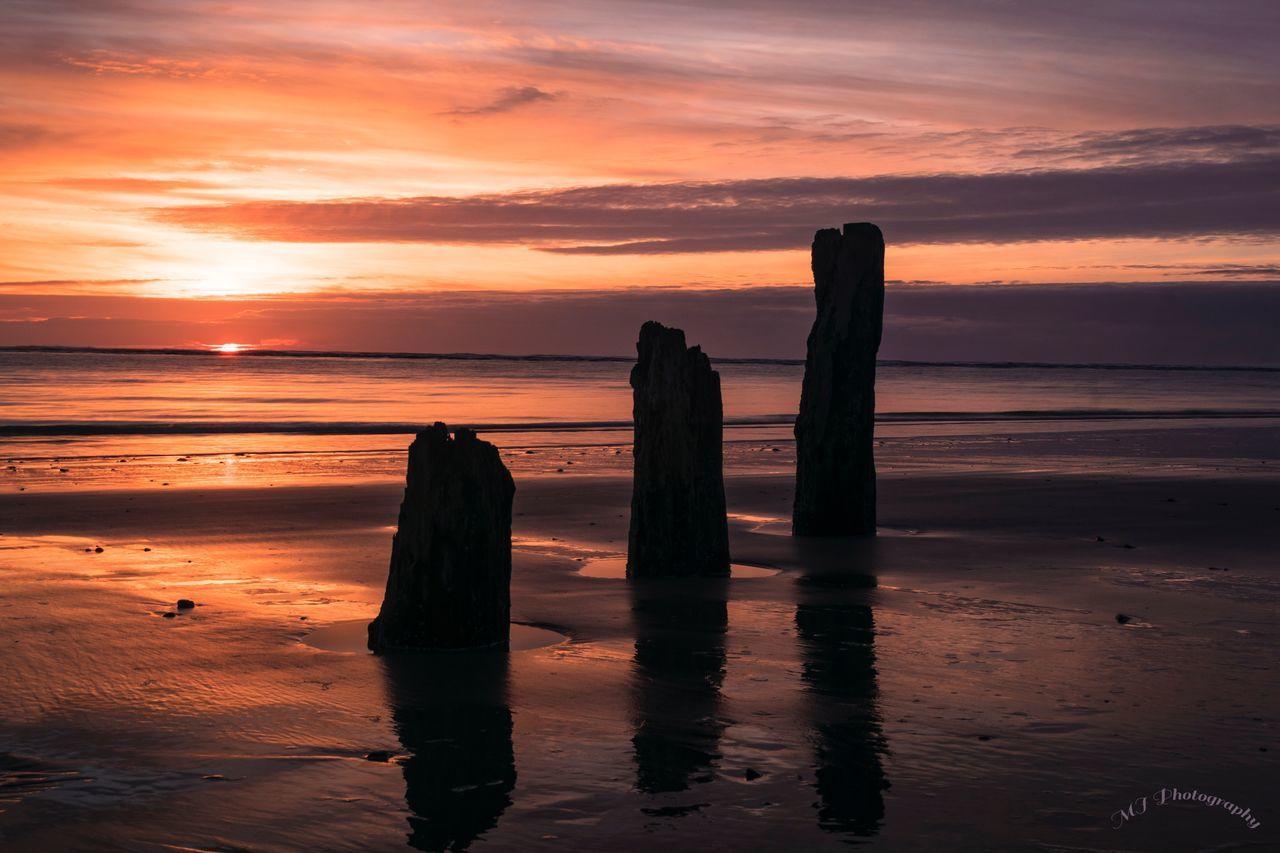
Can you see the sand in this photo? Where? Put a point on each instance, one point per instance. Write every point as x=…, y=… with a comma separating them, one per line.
x=959, y=683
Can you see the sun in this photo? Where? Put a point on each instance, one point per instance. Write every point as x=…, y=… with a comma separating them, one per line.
x=228, y=349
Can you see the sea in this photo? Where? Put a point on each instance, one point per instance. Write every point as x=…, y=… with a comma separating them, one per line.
x=75, y=414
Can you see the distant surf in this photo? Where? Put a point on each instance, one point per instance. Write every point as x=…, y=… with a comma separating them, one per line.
x=107, y=428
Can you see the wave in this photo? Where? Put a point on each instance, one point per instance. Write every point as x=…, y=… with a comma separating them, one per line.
x=107, y=428
x=473, y=356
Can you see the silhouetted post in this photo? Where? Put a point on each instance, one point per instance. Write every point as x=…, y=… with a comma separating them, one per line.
x=449, y=586
x=678, y=522
x=835, y=471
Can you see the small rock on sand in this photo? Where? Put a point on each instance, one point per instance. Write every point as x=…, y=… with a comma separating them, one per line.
x=169, y=614
x=381, y=755
x=97, y=550
x=185, y=604
x=1123, y=619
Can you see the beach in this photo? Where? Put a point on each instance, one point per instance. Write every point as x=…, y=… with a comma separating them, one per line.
x=1057, y=619
x=620, y=426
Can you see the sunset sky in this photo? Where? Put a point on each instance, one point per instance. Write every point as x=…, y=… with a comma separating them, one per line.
x=541, y=176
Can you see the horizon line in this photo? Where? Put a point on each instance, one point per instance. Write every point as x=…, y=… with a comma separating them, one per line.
x=250, y=351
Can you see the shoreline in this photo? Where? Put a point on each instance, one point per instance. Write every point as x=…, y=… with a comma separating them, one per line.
x=961, y=676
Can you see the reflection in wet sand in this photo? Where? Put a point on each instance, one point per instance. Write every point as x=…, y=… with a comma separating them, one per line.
x=837, y=639
x=679, y=666
x=453, y=717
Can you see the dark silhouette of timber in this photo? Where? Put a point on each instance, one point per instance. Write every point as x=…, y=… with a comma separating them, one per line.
x=835, y=469
x=449, y=585
x=678, y=522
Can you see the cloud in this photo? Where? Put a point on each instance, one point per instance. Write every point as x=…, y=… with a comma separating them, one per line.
x=76, y=286
x=15, y=135
x=506, y=100
x=144, y=186
x=1178, y=201
x=1142, y=145
x=1223, y=270
x=1212, y=323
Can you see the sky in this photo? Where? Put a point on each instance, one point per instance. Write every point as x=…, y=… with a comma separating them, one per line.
x=1092, y=181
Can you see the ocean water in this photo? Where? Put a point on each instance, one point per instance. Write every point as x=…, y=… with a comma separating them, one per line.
x=93, y=393
x=105, y=420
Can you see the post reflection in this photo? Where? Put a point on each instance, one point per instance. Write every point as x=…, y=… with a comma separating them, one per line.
x=836, y=630
x=679, y=667
x=453, y=718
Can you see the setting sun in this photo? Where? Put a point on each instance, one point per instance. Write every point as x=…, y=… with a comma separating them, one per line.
x=229, y=349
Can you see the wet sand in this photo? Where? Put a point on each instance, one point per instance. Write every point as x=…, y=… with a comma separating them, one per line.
x=960, y=683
